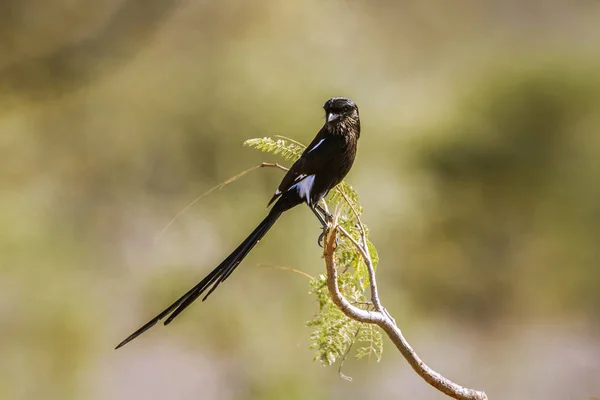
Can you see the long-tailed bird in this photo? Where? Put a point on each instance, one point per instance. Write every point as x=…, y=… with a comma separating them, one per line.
x=324, y=163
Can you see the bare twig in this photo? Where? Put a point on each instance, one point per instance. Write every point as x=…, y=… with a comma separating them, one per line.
x=217, y=187
x=284, y=268
x=345, y=357
x=381, y=318
x=359, y=247
x=273, y=165
x=364, y=249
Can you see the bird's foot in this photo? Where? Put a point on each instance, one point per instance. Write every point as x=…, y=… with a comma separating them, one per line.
x=321, y=237
x=328, y=216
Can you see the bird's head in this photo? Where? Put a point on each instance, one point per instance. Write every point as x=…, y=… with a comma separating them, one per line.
x=338, y=108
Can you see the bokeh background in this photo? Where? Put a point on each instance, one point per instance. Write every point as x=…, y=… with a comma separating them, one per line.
x=478, y=167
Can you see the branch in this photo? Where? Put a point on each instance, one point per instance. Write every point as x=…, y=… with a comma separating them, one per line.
x=381, y=317
x=351, y=311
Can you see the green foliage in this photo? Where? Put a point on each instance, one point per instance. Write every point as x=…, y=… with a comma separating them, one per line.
x=335, y=334
x=287, y=149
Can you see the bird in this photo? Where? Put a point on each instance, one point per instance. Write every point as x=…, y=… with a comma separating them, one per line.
x=324, y=163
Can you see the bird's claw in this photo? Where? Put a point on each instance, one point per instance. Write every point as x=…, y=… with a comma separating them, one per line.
x=321, y=237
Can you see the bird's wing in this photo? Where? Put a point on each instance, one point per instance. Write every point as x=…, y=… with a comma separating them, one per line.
x=315, y=158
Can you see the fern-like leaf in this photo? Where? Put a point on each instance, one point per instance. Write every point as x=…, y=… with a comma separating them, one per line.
x=287, y=149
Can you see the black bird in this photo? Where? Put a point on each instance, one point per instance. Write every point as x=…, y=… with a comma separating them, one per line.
x=324, y=163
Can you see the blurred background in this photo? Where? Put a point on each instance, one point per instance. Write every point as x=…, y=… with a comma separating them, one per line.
x=478, y=167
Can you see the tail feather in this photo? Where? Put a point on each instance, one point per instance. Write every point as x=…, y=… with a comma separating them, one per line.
x=213, y=279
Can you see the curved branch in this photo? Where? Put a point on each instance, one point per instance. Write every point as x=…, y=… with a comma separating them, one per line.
x=351, y=311
x=381, y=318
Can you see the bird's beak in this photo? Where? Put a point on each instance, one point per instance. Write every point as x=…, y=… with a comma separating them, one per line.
x=331, y=116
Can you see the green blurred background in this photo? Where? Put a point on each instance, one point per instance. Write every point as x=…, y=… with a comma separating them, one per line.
x=478, y=167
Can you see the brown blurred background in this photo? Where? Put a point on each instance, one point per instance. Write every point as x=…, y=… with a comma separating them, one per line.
x=478, y=167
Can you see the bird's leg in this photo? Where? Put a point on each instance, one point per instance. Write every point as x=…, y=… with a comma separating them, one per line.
x=324, y=224
x=328, y=216
x=320, y=217
x=325, y=212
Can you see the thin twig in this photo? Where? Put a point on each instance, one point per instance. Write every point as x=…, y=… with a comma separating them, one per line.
x=217, y=187
x=381, y=318
x=274, y=165
x=345, y=356
x=354, y=241
x=281, y=267
x=360, y=224
x=364, y=249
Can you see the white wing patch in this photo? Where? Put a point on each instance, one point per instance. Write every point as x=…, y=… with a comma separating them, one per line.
x=316, y=145
x=299, y=177
x=277, y=192
x=304, y=187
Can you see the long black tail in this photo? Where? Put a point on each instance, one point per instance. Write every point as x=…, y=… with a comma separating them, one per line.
x=214, y=279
